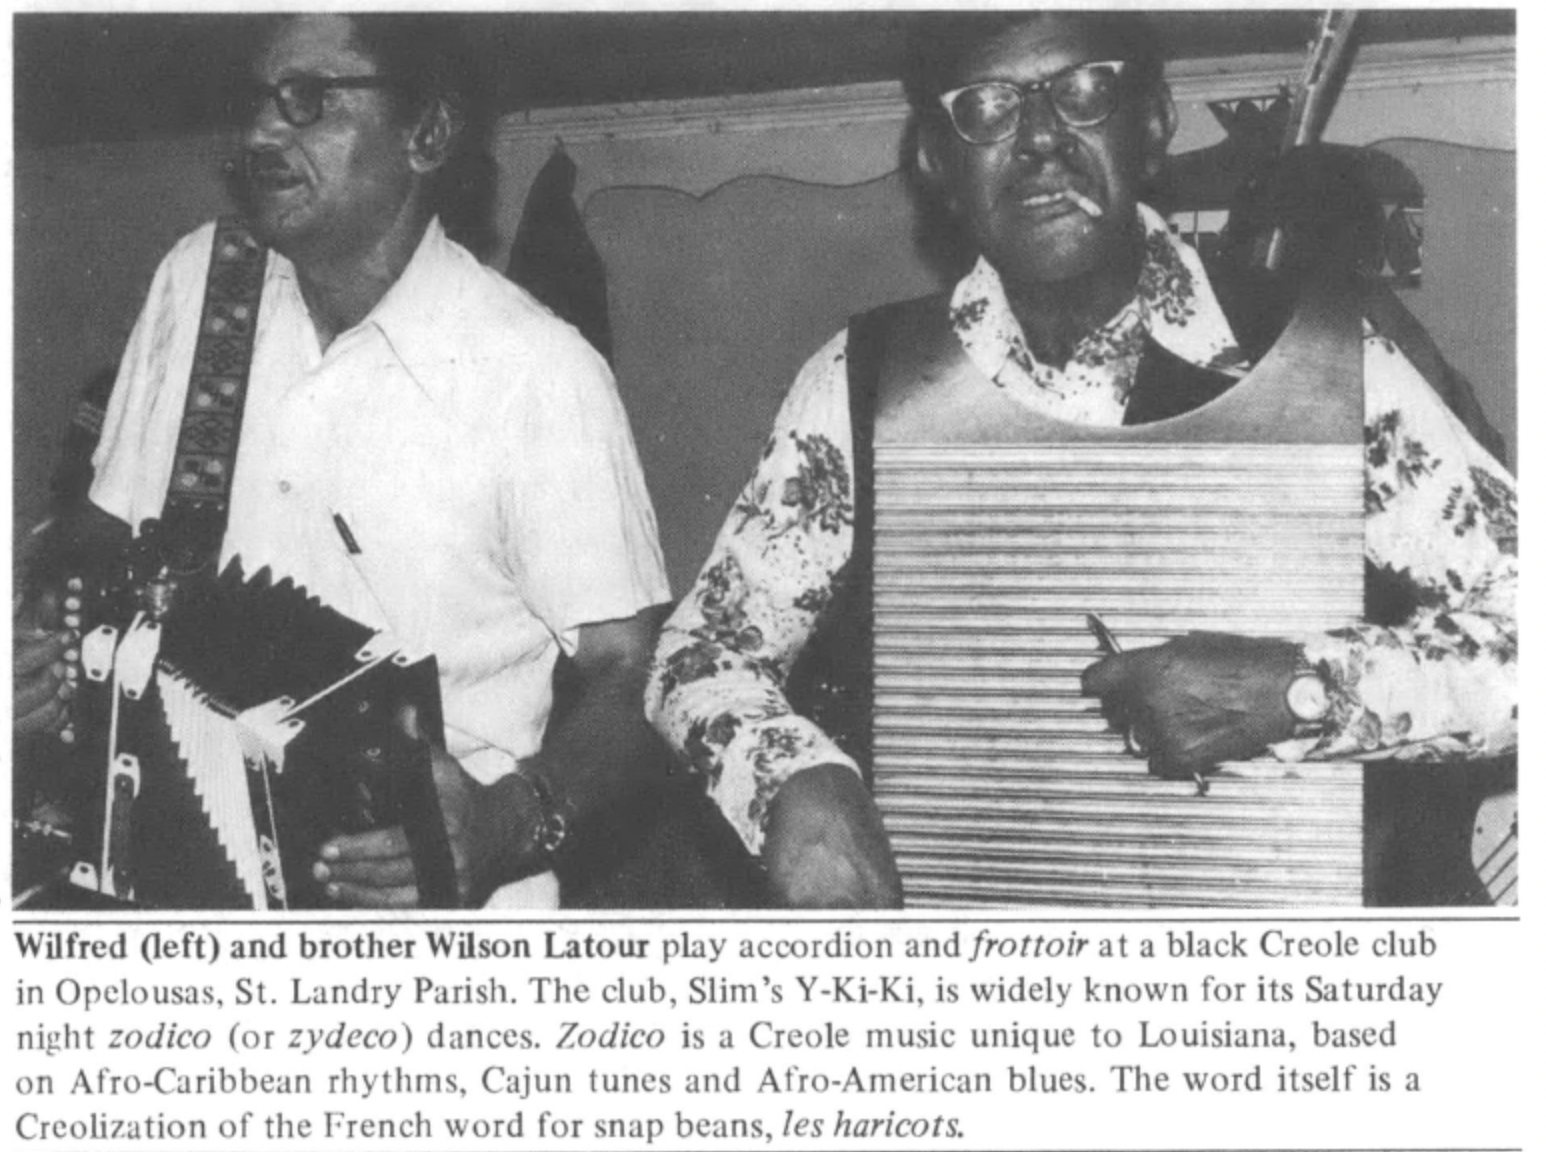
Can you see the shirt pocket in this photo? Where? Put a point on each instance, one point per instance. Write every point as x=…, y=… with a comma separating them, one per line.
x=415, y=494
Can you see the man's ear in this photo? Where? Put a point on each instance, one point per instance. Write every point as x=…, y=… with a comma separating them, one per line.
x=1159, y=127
x=932, y=160
x=430, y=145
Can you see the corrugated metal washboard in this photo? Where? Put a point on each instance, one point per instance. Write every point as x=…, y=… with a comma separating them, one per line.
x=1001, y=784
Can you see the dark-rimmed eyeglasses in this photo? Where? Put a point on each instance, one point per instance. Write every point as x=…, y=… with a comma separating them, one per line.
x=301, y=99
x=1082, y=97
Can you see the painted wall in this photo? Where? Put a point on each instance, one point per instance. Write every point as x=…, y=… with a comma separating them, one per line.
x=91, y=222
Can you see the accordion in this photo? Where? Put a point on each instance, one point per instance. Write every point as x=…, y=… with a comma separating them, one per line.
x=996, y=530
x=241, y=731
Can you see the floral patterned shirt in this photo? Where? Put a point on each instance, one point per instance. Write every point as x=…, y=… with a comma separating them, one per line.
x=1440, y=516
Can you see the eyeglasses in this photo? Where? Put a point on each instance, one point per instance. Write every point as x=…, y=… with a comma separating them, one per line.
x=300, y=99
x=1082, y=97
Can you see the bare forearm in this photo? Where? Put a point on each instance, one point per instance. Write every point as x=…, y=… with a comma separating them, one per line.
x=82, y=539
x=600, y=750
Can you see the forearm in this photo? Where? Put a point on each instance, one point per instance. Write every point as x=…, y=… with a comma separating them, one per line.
x=1433, y=674
x=88, y=529
x=510, y=812
x=725, y=715
x=1440, y=686
x=80, y=542
x=601, y=750
x=717, y=694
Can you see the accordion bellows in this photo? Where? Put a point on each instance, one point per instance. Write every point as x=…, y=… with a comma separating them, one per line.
x=267, y=724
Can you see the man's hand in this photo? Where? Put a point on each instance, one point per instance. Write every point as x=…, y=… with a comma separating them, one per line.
x=1199, y=699
x=41, y=636
x=40, y=687
x=485, y=824
x=591, y=758
x=825, y=846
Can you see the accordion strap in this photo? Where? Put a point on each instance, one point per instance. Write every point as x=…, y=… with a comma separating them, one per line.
x=198, y=499
x=424, y=824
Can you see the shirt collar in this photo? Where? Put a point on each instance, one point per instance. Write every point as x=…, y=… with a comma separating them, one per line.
x=415, y=316
x=412, y=318
x=1174, y=304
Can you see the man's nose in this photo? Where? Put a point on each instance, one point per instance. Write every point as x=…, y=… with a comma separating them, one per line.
x=264, y=126
x=1041, y=130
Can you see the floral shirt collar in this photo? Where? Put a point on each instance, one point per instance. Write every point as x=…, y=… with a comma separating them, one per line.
x=1174, y=304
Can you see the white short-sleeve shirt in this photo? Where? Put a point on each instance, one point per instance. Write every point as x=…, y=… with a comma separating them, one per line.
x=474, y=444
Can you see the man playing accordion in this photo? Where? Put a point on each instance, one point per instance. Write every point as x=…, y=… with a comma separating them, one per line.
x=424, y=449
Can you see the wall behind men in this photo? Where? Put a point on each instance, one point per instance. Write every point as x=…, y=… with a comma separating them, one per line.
x=91, y=222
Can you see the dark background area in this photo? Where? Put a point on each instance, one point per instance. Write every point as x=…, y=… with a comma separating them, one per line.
x=102, y=77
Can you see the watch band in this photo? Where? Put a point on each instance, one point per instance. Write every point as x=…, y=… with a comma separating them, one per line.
x=552, y=823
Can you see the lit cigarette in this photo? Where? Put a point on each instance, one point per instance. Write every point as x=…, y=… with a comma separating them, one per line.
x=1084, y=204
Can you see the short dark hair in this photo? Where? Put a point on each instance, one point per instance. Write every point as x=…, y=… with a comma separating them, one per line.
x=431, y=58
x=432, y=55
x=939, y=43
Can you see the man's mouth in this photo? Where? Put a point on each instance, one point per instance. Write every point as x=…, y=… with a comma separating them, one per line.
x=1061, y=198
x=269, y=176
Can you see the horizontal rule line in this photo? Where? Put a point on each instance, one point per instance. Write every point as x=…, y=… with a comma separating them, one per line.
x=341, y=919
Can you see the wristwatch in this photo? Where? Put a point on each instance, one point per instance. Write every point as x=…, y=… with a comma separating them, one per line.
x=552, y=826
x=1308, y=699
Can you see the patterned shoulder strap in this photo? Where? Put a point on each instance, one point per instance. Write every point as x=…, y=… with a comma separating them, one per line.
x=198, y=499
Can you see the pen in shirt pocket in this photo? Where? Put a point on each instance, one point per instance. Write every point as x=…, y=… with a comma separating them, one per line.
x=355, y=553
x=351, y=545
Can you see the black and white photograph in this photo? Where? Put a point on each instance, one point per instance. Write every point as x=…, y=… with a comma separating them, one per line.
x=721, y=578
x=764, y=460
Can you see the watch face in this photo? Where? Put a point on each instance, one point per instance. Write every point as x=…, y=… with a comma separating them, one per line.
x=1307, y=698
